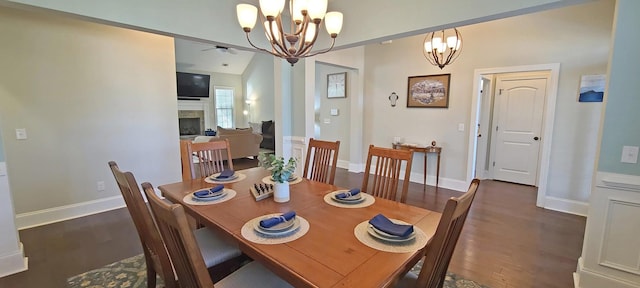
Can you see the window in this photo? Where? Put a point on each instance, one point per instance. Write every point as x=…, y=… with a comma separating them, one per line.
x=224, y=107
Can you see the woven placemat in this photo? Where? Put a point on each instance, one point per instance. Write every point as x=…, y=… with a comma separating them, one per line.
x=410, y=246
x=368, y=201
x=188, y=199
x=249, y=233
x=241, y=177
x=267, y=180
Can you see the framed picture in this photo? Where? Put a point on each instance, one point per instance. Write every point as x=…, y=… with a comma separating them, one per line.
x=337, y=85
x=592, y=88
x=430, y=91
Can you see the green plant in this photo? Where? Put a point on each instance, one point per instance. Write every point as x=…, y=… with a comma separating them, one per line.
x=280, y=172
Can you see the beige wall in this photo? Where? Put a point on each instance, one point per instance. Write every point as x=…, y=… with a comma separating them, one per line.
x=577, y=37
x=86, y=94
x=338, y=128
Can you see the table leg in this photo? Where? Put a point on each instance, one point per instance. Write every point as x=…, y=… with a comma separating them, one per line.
x=438, y=171
x=425, y=172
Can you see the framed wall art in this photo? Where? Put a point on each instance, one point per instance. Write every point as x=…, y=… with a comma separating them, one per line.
x=337, y=85
x=429, y=91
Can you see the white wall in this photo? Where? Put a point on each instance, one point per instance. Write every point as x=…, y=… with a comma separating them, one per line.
x=258, y=83
x=86, y=94
x=576, y=37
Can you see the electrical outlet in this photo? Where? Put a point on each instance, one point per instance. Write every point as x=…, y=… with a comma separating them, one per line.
x=461, y=127
x=100, y=186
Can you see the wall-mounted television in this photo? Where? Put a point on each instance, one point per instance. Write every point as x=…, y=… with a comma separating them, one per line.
x=192, y=85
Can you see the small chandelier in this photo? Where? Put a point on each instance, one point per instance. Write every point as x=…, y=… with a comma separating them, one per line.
x=306, y=16
x=441, y=48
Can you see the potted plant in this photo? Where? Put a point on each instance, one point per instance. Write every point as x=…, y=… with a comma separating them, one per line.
x=281, y=172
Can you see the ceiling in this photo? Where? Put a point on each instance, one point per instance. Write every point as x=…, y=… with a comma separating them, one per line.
x=204, y=57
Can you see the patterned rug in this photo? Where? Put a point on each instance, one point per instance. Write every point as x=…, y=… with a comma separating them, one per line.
x=131, y=273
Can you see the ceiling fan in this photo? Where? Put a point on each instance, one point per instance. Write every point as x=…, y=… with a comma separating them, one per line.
x=222, y=49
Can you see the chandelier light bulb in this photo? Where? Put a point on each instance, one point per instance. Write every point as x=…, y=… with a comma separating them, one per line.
x=427, y=47
x=296, y=10
x=247, y=15
x=311, y=33
x=452, y=42
x=317, y=8
x=274, y=29
x=333, y=23
x=271, y=8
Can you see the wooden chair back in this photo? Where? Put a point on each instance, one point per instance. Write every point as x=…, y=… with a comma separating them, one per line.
x=386, y=177
x=180, y=242
x=444, y=241
x=155, y=252
x=210, y=157
x=323, y=165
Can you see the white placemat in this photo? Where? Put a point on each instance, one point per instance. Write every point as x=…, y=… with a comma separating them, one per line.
x=414, y=245
x=189, y=198
x=250, y=234
x=267, y=180
x=368, y=200
x=210, y=180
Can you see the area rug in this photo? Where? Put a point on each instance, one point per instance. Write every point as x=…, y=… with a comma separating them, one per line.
x=131, y=273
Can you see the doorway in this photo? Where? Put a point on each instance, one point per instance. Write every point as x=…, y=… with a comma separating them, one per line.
x=486, y=117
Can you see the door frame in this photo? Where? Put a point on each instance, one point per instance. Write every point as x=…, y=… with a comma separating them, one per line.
x=547, y=122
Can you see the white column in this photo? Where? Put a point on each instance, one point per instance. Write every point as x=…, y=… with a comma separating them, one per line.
x=12, y=258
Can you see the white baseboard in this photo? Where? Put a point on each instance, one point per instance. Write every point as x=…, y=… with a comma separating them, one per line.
x=587, y=278
x=344, y=164
x=447, y=183
x=356, y=168
x=566, y=206
x=13, y=263
x=57, y=214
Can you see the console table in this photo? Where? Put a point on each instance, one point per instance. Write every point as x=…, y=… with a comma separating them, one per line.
x=426, y=150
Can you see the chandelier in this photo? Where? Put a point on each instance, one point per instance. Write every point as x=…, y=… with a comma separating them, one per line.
x=441, y=48
x=306, y=16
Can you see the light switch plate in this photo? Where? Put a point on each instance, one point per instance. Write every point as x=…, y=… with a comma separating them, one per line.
x=629, y=154
x=334, y=112
x=461, y=127
x=21, y=133
x=327, y=121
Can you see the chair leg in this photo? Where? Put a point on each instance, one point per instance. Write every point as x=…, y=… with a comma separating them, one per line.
x=151, y=277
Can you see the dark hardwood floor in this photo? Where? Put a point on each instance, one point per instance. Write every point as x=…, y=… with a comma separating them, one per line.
x=506, y=242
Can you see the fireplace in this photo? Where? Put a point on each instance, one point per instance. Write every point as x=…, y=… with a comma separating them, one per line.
x=189, y=126
x=191, y=122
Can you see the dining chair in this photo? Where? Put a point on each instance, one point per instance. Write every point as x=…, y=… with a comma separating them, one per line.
x=202, y=159
x=153, y=248
x=185, y=255
x=215, y=249
x=386, y=176
x=323, y=165
x=440, y=249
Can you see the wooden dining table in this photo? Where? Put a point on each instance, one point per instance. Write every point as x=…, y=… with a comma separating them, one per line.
x=329, y=254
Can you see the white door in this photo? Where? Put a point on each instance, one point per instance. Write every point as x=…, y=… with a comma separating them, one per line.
x=519, y=110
